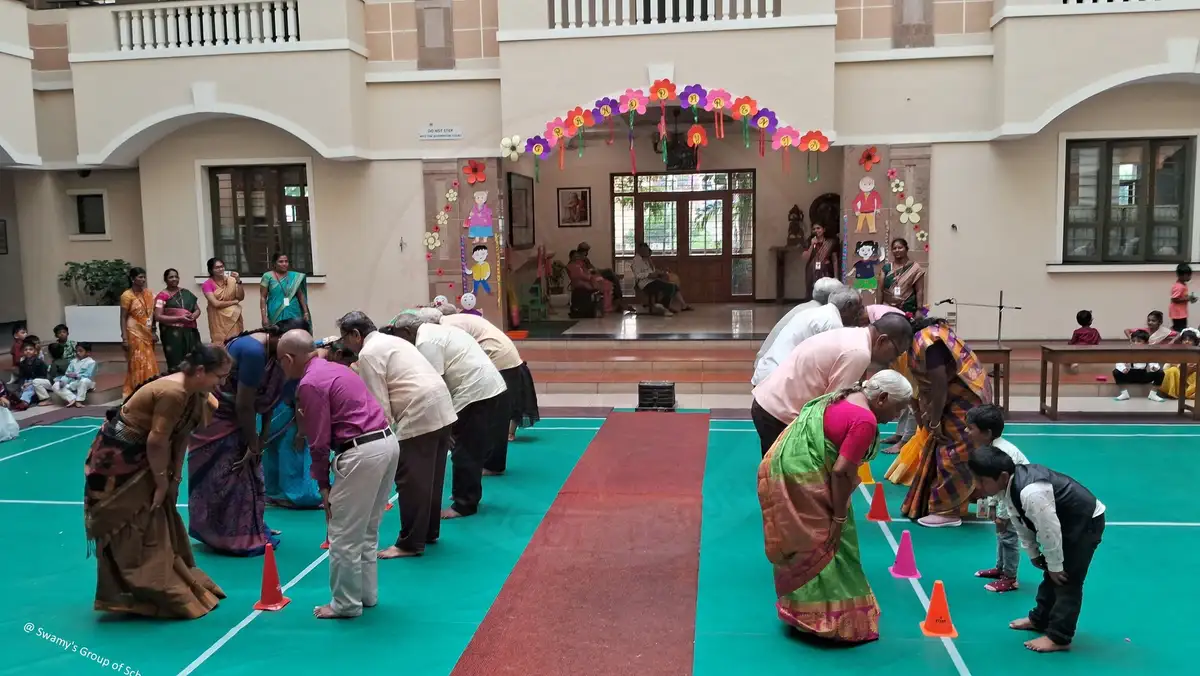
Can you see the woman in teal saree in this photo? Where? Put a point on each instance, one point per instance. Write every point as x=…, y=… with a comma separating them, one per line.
x=805, y=486
x=284, y=294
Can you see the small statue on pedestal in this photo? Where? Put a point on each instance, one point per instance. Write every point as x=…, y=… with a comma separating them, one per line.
x=795, y=237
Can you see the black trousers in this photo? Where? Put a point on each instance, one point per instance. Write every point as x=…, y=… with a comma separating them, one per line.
x=474, y=436
x=1058, y=606
x=1138, y=377
x=420, y=478
x=497, y=457
x=658, y=291
x=1179, y=324
x=768, y=426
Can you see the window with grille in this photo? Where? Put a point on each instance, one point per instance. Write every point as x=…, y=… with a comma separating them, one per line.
x=1128, y=201
x=258, y=212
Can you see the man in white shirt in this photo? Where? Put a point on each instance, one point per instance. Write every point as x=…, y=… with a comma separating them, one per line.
x=845, y=309
x=822, y=289
x=520, y=399
x=1060, y=524
x=421, y=414
x=477, y=391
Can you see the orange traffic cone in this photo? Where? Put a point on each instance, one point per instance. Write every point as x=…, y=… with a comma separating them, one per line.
x=325, y=544
x=864, y=474
x=388, y=507
x=272, y=597
x=879, y=510
x=937, y=622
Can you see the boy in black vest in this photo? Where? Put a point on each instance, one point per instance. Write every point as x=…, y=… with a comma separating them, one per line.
x=1060, y=524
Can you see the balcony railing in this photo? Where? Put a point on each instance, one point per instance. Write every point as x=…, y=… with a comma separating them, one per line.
x=208, y=25
x=591, y=13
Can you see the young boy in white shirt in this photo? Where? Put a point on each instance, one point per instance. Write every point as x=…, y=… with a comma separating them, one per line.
x=1138, y=374
x=1060, y=525
x=985, y=424
x=73, y=386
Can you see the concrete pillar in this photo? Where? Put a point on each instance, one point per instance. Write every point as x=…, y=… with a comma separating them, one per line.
x=41, y=219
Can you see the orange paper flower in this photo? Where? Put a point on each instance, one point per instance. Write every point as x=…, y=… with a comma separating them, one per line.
x=662, y=91
x=870, y=157
x=744, y=107
x=579, y=119
x=814, y=142
x=475, y=172
x=697, y=137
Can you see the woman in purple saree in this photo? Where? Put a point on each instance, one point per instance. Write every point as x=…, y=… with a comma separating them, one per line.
x=226, y=491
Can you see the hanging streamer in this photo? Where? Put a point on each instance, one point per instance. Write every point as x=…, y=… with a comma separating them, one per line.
x=766, y=123
x=539, y=147
x=462, y=257
x=812, y=143
x=633, y=102
x=785, y=139
x=744, y=109
x=718, y=101
x=558, y=134
x=662, y=91
x=697, y=138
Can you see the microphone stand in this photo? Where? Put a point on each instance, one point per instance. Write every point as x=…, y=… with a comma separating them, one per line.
x=1000, y=307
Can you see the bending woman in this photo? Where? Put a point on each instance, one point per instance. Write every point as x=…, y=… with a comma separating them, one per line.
x=176, y=311
x=950, y=381
x=284, y=294
x=144, y=560
x=137, y=331
x=805, y=486
x=226, y=493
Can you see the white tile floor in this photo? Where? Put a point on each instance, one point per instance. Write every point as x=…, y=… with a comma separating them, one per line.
x=738, y=319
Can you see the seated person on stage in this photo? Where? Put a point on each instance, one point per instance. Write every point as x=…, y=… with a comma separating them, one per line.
x=72, y=387
x=60, y=353
x=1060, y=524
x=583, y=278
x=1143, y=373
x=1154, y=327
x=33, y=374
x=606, y=274
x=1171, y=385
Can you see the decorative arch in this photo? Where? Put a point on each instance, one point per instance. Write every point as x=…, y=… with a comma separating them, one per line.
x=758, y=124
x=10, y=156
x=133, y=141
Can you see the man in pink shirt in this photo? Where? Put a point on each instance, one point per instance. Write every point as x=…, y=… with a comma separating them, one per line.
x=338, y=415
x=823, y=364
x=874, y=312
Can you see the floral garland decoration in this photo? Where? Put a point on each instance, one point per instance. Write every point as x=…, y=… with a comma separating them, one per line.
x=908, y=208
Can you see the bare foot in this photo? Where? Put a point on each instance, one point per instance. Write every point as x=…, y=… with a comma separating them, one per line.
x=488, y=472
x=1023, y=624
x=512, y=437
x=1043, y=644
x=276, y=532
x=326, y=612
x=395, y=552
x=451, y=514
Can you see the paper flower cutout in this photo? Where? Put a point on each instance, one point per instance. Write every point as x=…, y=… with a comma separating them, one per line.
x=785, y=138
x=765, y=121
x=510, y=147
x=814, y=142
x=538, y=146
x=605, y=108
x=697, y=137
x=745, y=107
x=910, y=211
x=578, y=120
x=634, y=101
x=475, y=172
x=897, y=185
x=717, y=99
x=454, y=184
x=923, y=236
x=694, y=96
x=440, y=272
x=869, y=158
x=662, y=91
x=442, y=218
x=448, y=207
x=432, y=240
x=436, y=228
x=892, y=174
x=452, y=197
x=556, y=131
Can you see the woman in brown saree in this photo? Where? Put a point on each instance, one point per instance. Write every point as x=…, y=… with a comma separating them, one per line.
x=224, y=294
x=822, y=257
x=144, y=559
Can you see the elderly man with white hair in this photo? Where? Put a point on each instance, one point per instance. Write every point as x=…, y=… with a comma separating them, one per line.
x=821, y=292
x=845, y=308
x=477, y=391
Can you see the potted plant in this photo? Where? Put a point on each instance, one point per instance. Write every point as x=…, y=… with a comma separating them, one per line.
x=558, y=278
x=97, y=286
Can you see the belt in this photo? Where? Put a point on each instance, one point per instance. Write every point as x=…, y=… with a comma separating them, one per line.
x=363, y=439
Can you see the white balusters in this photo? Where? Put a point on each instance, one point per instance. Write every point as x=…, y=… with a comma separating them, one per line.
x=124, y=36
x=160, y=30
x=573, y=14
x=293, y=23
x=172, y=27
x=277, y=15
x=214, y=25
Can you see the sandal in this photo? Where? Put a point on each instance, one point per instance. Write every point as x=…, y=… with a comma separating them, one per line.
x=991, y=574
x=1004, y=584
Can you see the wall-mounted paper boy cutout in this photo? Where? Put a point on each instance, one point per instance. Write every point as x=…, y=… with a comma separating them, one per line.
x=866, y=204
x=481, y=271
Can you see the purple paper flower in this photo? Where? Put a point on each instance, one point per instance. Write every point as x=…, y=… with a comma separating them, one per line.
x=538, y=146
x=606, y=108
x=765, y=120
x=694, y=96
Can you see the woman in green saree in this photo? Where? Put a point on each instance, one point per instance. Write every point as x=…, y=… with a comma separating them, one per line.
x=805, y=486
x=284, y=294
x=176, y=311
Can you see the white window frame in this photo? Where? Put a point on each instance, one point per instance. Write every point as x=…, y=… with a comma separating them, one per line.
x=204, y=214
x=75, y=235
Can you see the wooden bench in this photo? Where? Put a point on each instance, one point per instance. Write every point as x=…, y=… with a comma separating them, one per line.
x=1055, y=356
x=1000, y=358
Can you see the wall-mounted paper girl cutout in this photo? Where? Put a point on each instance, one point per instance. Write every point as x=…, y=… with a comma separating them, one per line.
x=864, y=269
x=866, y=204
x=481, y=271
x=467, y=303
x=439, y=301
x=479, y=220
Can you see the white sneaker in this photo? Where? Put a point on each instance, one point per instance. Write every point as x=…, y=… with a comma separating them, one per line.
x=1154, y=396
x=1123, y=396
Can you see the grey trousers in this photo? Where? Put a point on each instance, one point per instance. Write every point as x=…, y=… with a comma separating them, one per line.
x=363, y=478
x=906, y=426
x=1008, y=551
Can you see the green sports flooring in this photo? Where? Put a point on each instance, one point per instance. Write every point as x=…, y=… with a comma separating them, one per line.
x=1133, y=619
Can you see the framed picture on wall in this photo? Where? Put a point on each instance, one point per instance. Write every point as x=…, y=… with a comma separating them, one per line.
x=3, y=237
x=520, y=211
x=574, y=207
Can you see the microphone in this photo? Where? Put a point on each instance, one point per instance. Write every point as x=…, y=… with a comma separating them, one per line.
x=947, y=301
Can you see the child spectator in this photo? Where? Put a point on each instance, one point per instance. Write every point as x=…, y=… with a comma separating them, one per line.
x=1060, y=524
x=33, y=375
x=60, y=353
x=1154, y=327
x=1181, y=297
x=1171, y=387
x=1140, y=373
x=1084, y=335
x=985, y=424
x=72, y=387
x=18, y=335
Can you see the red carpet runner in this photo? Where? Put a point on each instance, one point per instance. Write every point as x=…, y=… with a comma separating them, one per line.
x=607, y=585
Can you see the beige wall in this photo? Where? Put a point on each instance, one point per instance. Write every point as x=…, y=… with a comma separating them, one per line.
x=12, y=300
x=18, y=139
x=1004, y=199
x=361, y=213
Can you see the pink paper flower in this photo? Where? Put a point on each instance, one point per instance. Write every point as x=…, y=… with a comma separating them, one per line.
x=634, y=101
x=785, y=138
x=718, y=99
x=556, y=130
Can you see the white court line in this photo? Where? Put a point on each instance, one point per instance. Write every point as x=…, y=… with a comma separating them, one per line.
x=64, y=503
x=947, y=643
x=52, y=443
x=539, y=428
x=738, y=430
x=62, y=427
x=212, y=649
